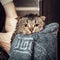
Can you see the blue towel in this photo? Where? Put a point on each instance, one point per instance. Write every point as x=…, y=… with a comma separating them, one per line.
x=37, y=46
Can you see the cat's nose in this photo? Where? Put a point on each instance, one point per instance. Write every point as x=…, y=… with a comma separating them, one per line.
x=31, y=29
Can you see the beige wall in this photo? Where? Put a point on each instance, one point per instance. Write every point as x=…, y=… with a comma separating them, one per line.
x=27, y=6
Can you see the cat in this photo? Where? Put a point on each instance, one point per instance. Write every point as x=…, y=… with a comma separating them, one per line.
x=29, y=24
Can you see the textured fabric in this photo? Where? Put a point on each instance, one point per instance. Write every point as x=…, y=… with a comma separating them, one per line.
x=37, y=46
x=22, y=47
x=46, y=43
x=5, y=1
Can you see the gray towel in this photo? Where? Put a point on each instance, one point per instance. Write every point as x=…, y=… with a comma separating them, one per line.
x=37, y=46
x=22, y=47
x=45, y=44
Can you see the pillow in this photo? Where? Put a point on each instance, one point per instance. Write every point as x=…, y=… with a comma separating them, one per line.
x=36, y=46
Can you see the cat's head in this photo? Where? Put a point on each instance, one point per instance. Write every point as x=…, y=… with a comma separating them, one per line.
x=28, y=25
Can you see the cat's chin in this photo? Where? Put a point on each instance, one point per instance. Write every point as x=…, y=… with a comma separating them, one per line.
x=27, y=33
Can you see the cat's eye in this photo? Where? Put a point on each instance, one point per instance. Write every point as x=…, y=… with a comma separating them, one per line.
x=36, y=24
x=25, y=25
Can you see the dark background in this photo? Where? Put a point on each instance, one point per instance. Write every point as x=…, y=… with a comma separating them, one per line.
x=50, y=8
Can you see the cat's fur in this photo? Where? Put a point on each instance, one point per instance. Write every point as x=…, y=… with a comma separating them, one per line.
x=30, y=24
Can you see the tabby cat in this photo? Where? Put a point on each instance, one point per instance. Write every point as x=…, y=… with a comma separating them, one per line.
x=30, y=24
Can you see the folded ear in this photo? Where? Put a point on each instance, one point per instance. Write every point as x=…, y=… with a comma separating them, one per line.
x=43, y=18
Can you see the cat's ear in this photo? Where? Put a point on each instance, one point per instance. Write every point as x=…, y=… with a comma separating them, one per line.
x=43, y=18
x=18, y=17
